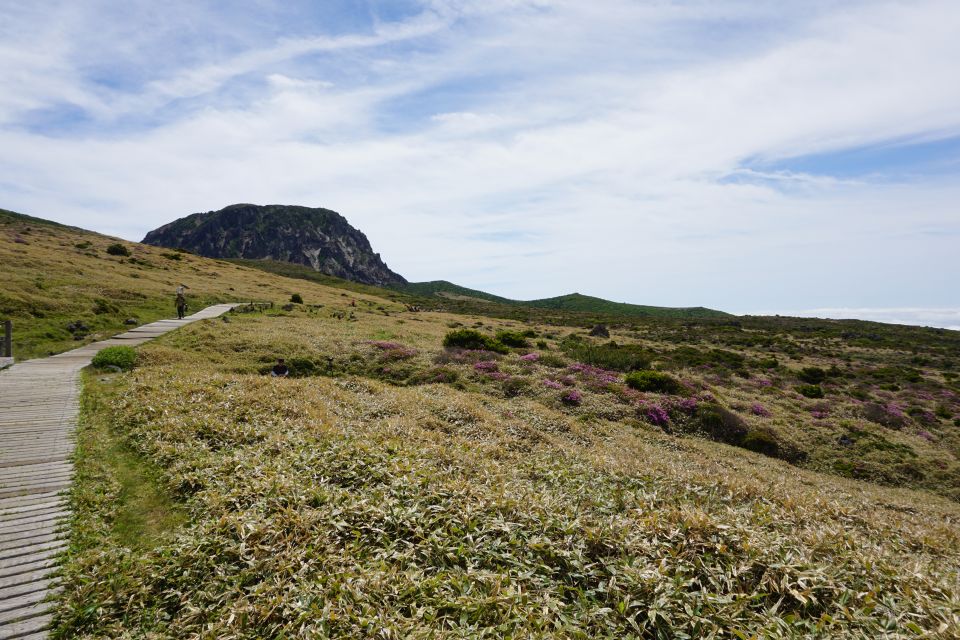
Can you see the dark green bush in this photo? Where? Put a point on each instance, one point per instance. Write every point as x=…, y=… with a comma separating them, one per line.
x=117, y=249
x=653, y=381
x=761, y=442
x=812, y=375
x=512, y=339
x=472, y=339
x=434, y=375
x=721, y=424
x=515, y=386
x=542, y=344
x=102, y=306
x=296, y=298
x=121, y=357
x=628, y=357
x=810, y=390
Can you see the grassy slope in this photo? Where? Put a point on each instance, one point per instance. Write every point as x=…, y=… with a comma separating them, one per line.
x=54, y=275
x=347, y=505
x=574, y=302
x=343, y=506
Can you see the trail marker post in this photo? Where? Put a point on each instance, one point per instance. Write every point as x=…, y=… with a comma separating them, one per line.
x=7, y=339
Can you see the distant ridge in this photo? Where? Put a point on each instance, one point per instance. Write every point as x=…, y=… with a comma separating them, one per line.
x=569, y=302
x=318, y=238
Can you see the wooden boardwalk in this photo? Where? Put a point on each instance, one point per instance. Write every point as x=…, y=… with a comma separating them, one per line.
x=39, y=402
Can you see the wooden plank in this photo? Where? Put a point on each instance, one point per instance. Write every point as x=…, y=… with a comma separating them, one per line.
x=14, y=591
x=12, y=572
x=33, y=607
x=26, y=629
x=27, y=577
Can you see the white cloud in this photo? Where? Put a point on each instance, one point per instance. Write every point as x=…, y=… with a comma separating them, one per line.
x=602, y=137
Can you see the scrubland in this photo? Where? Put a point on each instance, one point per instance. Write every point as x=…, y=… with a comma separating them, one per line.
x=393, y=488
x=669, y=478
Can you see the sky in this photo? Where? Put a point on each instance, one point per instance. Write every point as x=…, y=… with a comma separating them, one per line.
x=746, y=155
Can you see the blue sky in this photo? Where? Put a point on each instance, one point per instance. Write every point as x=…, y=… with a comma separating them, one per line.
x=745, y=155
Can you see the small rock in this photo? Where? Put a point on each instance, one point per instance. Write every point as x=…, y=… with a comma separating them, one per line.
x=131, y=321
x=845, y=441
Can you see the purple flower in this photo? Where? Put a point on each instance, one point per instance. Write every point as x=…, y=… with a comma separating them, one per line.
x=497, y=375
x=386, y=346
x=763, y=382
x=894, y=410
x=530, y=357
x=687, y=405
x=656, y=415
x=594, y=373
x=926, y=435
x=819, y=414
x=758, y=409
x=486, y=366
x=571, y=397
x=552, y=384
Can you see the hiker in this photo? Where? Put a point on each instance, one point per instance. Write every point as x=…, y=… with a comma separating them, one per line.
x=181, y=301
x=280, y=370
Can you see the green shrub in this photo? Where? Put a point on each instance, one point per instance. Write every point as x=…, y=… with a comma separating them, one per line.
x=121, y=357
x=472, y=339
x=514, y=386
x=434, y=375
x=542, y=344
x=812, y=375
x=629, y=357
x=296, y=298
x=761, y=442
x=512, y=339
x=721, y=424
x=810, y=390
x=117, y=249
x=653, y=381
x=552, y=360
x=102, y=306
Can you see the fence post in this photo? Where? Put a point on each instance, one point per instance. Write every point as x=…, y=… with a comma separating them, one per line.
x=7, y=339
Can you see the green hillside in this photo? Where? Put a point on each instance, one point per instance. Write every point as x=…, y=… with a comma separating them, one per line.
x=580, y=302
x=574, y=302
x=446, y=289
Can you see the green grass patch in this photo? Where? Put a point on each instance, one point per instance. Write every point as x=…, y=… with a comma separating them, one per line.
x=123, y=358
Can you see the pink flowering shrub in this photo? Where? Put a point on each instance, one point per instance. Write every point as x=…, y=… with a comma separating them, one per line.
x=530, y=357
x=926, y=435
x=594, y=374
x=393, y=350
x=656, y=415
x=486, y=366
x=571, y=397
x=758, y=409
x=552, y=384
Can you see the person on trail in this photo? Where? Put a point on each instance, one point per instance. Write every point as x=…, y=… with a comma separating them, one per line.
x=181, y=301
x=280, y=370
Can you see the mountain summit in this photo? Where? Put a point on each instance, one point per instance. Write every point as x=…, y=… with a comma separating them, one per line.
x=318, y=238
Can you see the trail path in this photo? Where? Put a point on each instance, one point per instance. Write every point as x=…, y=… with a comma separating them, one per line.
x=39, y=402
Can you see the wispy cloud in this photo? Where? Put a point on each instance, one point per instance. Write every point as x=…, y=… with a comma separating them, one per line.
x=624, y=149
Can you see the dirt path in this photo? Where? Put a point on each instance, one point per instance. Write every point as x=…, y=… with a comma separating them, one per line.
x=39, y=402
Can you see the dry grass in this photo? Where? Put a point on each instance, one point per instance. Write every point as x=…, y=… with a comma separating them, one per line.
x=56, y=275
x=348, y=507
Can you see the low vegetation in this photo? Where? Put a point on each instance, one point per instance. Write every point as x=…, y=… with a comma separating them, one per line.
x=400, y=491
x=122, y=358
x=530, y=476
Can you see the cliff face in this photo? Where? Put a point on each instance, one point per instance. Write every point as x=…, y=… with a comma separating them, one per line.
x=319, y=238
